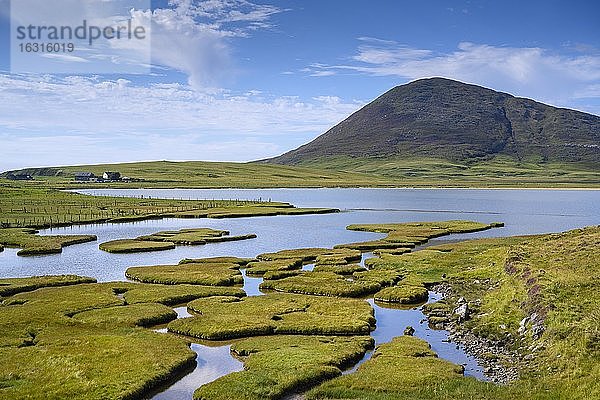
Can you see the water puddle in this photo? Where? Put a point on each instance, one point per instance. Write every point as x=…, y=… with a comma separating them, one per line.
x=393, y=320
x=251, y=284
x=308, y=267
x=212, y=363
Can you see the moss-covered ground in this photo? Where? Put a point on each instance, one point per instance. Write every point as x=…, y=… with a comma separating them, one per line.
x=33, y=244
x=357, y=284
x=312, y=254
x=537, y=295
x=402, y=294
x=274, y=366
x=405, y=368
x=10, y=286
x=284, y=264
x=134, y=246
x=221, y=318
x=166, y=240
x=176, y=294
x=82, y=341
x=196, y=273
x=401, y=236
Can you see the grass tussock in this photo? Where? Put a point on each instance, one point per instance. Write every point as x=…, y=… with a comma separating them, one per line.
x=229, y=317
x=11, y=286
x=176, y=294
x=284, y=264
x=143, y=314
x=406, y=235
x=402, y=294
x=274, y=366
x=358, y=284
x=166, y=240
x=32, y=244
x=211, y=274
x=396, y=369
x=340, y=269
x=311, y=254
x=80, y=341
x=134, y=246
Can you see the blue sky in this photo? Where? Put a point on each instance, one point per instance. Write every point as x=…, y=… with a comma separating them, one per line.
x=238, y=80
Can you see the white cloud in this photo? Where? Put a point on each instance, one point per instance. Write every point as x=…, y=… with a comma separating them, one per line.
x=532, y=72
x=72, y=119
x=191, y=36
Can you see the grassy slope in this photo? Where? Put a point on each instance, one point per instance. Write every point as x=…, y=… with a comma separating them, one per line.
x=341, y=171
x=208, y=175
x=500, y=171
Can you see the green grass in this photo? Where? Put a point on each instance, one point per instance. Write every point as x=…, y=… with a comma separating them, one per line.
x=312, y=254
x=358, y=284
x=223, y=259
x=500, y=171
x=554, y=277
x=340, y=269
x=32, y=244
x=223, y=318
x=401, y=236
x=262, y=267
x=79, y=341
x=400, y=368
x=134, y=246
x=10, y=286
x=212, y=274
x=167, y=240
x=402, y=294
x=143, y=314
x=92, y=363
x=274, y=366
x=38, y=205
x=176, y=294
x=202, y=174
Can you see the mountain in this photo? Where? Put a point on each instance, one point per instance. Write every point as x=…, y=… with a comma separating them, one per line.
x=440, y=118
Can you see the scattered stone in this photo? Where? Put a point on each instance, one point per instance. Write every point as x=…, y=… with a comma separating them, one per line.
x=409, y=331
x=462, y=311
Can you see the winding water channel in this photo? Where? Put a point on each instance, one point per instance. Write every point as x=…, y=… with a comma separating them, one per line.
x=522, y=211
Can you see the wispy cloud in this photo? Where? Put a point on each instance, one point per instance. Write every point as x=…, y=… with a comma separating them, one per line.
x=192, y=36
x=89, y=118
x=534, y=72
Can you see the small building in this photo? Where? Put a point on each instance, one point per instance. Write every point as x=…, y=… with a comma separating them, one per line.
x=19, y=177
x=111, y=176
x=84, y=176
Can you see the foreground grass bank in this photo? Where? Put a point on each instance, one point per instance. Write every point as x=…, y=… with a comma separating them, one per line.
x=82, y=341
x=535, y=295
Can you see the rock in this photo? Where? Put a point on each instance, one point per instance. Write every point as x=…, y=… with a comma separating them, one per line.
x=462, y=311
x=409, y=331
x=537, y=330
x=523, y=326
x=461, y=300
